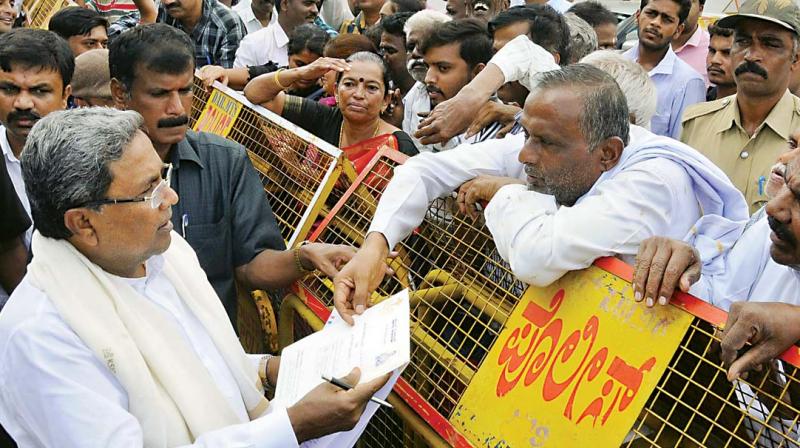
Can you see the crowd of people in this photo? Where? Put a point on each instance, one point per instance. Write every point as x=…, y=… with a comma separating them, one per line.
x=125, y=235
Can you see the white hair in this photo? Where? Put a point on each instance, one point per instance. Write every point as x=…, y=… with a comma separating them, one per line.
x=582, y=37
x=424, y=21
x=639, y=90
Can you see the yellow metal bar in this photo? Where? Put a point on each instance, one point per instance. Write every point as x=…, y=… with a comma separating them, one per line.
x=416, y=423
x=290, y=306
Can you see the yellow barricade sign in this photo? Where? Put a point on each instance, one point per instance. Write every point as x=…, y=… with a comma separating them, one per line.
x=219, y=114
x=574, y=366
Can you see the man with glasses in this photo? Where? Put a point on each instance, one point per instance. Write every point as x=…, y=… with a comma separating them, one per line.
x=223, y=212
x=36, y=68
x=114, y=337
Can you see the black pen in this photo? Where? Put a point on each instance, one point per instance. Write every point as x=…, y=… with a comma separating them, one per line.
x=339, y=383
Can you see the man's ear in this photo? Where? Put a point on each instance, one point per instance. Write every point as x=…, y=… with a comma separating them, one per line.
x=477, y=69
x=556, y=57
x=610, y=152
x=119, y=93
x=679, y=30
x=78, y=222
x=67, y=93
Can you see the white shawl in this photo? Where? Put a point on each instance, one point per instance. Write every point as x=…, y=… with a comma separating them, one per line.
x=169, y=390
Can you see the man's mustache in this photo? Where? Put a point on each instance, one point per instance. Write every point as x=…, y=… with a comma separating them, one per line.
x=434, y=89
x=782, y=231
x=752, y=67
x=172, y=122
x=18, y=115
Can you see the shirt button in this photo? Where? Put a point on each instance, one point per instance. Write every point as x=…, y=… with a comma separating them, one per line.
x=744, y=154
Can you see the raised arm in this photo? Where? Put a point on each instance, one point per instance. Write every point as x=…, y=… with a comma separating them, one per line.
x=267, y=89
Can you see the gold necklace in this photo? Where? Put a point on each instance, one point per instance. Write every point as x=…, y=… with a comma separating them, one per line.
x=341, y=131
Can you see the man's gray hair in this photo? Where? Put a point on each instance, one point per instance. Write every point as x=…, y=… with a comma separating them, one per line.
x=605, y=111
x=634, y=81
x=582, y=37
x=65, y=161
x=424, y=21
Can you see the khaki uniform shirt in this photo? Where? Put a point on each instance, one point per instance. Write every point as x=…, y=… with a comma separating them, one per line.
x=715, y=129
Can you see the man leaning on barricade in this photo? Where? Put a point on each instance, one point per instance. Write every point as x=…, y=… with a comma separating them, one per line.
x=586, y=169
x=115, y=337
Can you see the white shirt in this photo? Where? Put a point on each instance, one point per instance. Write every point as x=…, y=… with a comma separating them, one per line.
x=750, y=274
x=335, y=12
x=15, y=173
x=521, y=60
x=267, y=44
x=54, y=392
x=540, y=240
x=245, y=12
x=429, y=176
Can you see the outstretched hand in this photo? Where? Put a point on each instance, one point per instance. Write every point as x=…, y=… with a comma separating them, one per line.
x=354, y=284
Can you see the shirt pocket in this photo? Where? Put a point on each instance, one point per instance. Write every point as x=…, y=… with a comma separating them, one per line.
x=212, y=243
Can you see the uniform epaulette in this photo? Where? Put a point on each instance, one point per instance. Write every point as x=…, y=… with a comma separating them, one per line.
x=700, y=109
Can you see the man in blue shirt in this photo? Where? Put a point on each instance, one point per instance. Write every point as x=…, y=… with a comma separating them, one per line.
x=678, y=85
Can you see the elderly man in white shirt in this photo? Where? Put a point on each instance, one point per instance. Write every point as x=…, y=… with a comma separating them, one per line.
x=594, y=193
x=115, y=337
x=761, y=266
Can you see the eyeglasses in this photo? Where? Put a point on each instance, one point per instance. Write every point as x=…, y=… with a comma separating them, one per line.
x=157, y=198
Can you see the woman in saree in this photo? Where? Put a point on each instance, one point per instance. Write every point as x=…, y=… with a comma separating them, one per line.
x=355, y=125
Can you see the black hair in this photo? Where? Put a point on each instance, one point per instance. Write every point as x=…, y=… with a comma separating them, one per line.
x=476, y=44
x=308, y=37
x=394, y=24
x=34, y=48
x=548, y=29
x=716, y=30
x=155, y=46
x=76, y=21
x=594, y=13
x=683, y=10
x=411, y=6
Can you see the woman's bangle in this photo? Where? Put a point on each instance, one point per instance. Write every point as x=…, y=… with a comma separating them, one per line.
x=297, y=262
x=278, y=81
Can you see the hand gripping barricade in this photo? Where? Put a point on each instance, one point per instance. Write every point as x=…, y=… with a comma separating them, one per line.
x=494, y=363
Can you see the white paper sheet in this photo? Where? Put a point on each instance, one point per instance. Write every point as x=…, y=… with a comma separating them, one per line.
x=378, y=343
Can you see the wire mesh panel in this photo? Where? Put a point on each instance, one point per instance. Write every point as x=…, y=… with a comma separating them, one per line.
x=298, y=170
x=695, y=405
x=461, y=295
x=199, y=99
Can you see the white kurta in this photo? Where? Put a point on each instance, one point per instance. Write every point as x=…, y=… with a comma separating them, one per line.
x=540, y=240
x=750, y=274
x=54, y=392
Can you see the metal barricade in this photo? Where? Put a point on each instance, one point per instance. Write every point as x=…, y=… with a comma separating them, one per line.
x=299, y=171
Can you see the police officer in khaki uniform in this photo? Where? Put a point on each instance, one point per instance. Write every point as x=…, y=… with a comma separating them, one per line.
x=745, y=133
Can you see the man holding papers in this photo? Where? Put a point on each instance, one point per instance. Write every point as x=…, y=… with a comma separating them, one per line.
x=115, y=336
